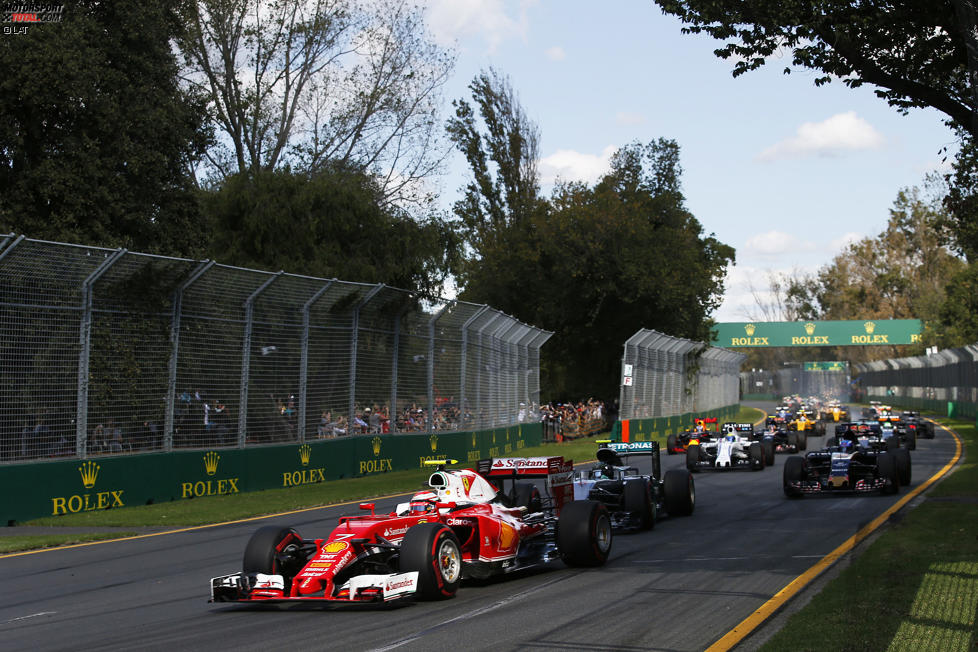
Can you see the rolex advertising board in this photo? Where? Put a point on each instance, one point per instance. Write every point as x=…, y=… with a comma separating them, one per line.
x=866, y=332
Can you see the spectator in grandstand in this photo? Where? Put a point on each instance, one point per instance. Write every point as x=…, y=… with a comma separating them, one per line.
x=114, y=436
x=325, y=428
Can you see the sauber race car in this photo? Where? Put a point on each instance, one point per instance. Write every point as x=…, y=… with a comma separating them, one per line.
x=857, y=465
x=680, y=441
x=635, y=501
x=462, y=526
x=731, y=451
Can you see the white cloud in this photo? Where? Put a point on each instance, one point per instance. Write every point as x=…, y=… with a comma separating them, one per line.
x=747, y=289
x=842, y=132
x=629, y=119
x=556, y=53
x=452, y=21
x=775, y=243
x=569, y=165
x=843, y=241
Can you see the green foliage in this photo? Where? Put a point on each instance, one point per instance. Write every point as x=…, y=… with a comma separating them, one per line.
x=329, y=225
x=97, y=136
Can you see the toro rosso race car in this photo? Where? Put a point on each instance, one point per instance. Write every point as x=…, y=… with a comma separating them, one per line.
x=858, y=464
x=633, y=500
x=462, y=526
x=734, y=450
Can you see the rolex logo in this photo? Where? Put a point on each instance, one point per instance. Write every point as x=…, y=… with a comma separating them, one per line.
x=433, y=440
x=474, y=442
x=870, y=327
x=493, y=437
x=749, y=329
x=810, y=328
x=376, y=444
x=305, y=452
x=210, y=462
x=89, y=473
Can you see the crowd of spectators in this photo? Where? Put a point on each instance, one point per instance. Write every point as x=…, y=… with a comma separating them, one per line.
x=572, y=420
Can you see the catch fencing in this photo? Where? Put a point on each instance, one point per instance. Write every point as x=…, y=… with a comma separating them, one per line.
x=947, y=380
x=761, y=384
x=110, y=351
x=664, y=376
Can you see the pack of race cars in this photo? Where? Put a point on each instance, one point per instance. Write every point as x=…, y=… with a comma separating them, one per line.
x=509, y=514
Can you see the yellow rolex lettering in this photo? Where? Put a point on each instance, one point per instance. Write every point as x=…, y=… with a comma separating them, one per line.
x=117, y=498
x=75, y=504
x=188, y=490
x=103, y=499
x=473, y=456
x=58, y=506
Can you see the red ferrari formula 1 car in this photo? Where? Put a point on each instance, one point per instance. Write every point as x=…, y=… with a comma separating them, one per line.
x=462, y=526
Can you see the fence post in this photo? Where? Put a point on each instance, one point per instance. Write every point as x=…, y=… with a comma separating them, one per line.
x=463, y=364
x=171, y=385
x=249, y=307
x=431, y=364
x=84, y=353
x=354, y=344
x=304, y=359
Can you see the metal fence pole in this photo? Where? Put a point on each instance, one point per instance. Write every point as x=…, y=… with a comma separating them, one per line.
x=354, y=345
x=304, y=359
x=463, y=363
x=84, y=354
x=249, y=307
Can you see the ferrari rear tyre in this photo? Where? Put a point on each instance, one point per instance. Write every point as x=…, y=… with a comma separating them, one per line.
x=680, y=498
x=584, y=533
x=887, y=466
x=904, y=467
x=794, y=473
x=433, y=550
x=671, y=444
x=526, y=494
x=756, y=456
x=768, y=446
x=692, y=457
x=638, y=501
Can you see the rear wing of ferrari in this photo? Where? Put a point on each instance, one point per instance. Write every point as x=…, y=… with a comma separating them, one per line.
x=556, y=471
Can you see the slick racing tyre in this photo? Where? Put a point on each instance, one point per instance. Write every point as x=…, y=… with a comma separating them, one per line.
x=526, y=494
x=584, y=533
x=794, y=474
x=803, y=440
x=692, y=457
x=912, y=441
x=433, y=550
x=638, y=502
x=756, y=456
x=887, y=468
x=671, y=444
x=680, y=498
x=904, y=467
x=274, y=550
x=768, y=446
x=793, y=441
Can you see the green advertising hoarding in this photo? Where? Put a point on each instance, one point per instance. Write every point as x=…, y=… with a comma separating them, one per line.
x=835, y=365
x=867, y=332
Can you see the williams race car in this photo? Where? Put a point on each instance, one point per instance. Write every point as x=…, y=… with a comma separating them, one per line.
x=857, y=465
x=462, y=526
x=635, y=501
x=731, y=451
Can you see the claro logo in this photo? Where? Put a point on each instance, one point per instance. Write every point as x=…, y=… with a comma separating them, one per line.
x=88, y=501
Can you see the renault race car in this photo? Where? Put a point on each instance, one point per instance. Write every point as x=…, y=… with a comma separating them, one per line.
x=462, y=526
x=856, y=465
x=633, y=500
x=732, y=450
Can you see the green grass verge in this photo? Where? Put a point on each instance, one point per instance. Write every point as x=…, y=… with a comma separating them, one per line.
x=18, y=543
x=914, y=588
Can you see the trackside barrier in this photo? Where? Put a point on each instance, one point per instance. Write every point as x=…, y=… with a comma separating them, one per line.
x=658, y=429
x=66, y=487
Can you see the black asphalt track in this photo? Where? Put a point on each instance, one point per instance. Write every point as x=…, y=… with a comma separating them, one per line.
x=680, y=586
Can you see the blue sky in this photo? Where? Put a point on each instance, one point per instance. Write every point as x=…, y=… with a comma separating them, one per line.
x=785, y=172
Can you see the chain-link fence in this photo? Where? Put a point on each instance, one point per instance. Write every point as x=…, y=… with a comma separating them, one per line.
x=668, y=376
x=108, y=351
x=795, y=380
x=948, y=379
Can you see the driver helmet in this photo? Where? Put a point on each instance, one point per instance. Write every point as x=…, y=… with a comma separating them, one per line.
x=423, y=502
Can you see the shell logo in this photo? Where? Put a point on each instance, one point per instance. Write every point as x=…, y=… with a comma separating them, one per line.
x=336, y=546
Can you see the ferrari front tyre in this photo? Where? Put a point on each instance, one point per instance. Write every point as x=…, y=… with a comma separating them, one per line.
x=756, y=456
x=638, y=502
x=692, y=457
x=680, y=498
x=266, y=551
x=768, y=446
x=671, y=444
x=433, y=550
x=584, y=533
x=904, y=467
x=887, y=467
x=794, y=474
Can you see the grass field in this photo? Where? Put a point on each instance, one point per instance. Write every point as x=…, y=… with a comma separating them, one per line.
x=914, y=588
x=219, y=509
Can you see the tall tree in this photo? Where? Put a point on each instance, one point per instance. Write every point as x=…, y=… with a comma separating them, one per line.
x=97, y=137
x=917, y=54
x=319, y=83
x=330, y=225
